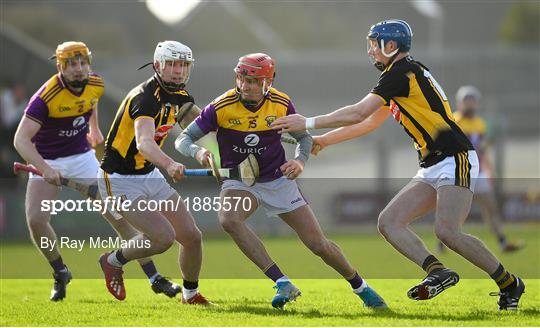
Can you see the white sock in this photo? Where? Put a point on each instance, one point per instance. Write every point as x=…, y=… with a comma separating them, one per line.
x=153, y=278
x=361, y=288
x=284, y=278
x=189, y=293
x=113, y=260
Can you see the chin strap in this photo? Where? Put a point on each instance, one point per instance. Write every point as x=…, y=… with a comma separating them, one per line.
x=381, y=66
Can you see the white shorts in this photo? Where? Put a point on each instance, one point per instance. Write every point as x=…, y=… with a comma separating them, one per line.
x=80, y=167
x=458, y=170
x=276, y=197
x=150, y=186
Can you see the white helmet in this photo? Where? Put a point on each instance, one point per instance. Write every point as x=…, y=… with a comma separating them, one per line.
x=172, y=51
x=468, y=91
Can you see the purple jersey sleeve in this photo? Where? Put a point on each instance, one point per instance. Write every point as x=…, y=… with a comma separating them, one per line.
x=290, y=108
x=207, y=121
x=37, y=109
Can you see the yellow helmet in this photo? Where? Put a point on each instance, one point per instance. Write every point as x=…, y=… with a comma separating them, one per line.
x=71, y=49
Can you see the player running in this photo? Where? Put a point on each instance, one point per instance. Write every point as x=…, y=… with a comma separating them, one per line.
x=467, y=101
x=128, y=172
x=448, y=163
x=56, y=135
x=242, y=118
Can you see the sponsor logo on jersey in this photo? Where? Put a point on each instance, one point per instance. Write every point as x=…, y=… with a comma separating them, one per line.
x=78, y=121
x=395, y=111
x=252, y=140
x=270, y=119
x=162, y=132
x=79, y=125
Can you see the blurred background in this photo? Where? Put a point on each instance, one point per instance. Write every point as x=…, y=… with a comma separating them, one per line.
x=320, y=51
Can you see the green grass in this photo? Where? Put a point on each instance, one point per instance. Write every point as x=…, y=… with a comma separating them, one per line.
x=245, y=300
x=327, y=302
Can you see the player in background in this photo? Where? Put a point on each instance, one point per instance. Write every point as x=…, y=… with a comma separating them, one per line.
x=242, y=118
x=129, y=171
x=474, y=126
x=448, y=163
x=56, y=135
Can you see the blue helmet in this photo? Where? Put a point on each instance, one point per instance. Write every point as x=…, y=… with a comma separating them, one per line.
x=392, y=30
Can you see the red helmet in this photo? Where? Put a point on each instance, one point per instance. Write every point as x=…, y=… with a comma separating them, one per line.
x=256, y=65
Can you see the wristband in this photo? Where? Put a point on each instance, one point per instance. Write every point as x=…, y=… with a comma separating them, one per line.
x=310, y=123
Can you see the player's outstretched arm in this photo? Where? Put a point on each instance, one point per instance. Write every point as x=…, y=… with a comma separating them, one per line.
x=350, y=132
x=344, y=116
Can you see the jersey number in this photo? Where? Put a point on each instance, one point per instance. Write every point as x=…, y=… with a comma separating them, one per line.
x=252, y=124
x=437, y=86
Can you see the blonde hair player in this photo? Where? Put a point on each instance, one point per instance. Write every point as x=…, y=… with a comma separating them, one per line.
x=56, y=135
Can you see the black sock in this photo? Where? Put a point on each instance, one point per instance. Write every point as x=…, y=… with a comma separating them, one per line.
x=503, y=278
x=432, y=264
x=355, y=281
x=58, y=264
x=191, y=284
x=120, y=257
x=149, y=269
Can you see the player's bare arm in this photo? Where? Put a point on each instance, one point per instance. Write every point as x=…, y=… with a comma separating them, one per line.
x=349, y=132
x=94, y=136
x=23, y=143
x=144, y=135
x=344, y=116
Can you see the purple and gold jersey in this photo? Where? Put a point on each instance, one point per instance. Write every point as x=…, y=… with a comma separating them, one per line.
x=63, y=116
x=241, y=131
x=473, y=127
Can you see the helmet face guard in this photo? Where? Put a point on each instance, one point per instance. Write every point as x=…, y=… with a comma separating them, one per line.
x=257, y=69
x=73, y=57
x=173, y=62
x=383, y=32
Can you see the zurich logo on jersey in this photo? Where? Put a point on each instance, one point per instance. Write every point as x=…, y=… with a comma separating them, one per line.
x=251, y=140
x=78, y=121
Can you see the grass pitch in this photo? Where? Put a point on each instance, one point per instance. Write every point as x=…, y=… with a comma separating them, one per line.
x=243, y=298
x=326, y=302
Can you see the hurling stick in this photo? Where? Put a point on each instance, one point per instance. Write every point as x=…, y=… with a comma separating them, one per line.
x=87, y=190
x=247, y=171
x=289, y=140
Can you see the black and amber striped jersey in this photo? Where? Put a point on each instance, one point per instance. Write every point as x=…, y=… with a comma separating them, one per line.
x=420, y=105
x=146, y=100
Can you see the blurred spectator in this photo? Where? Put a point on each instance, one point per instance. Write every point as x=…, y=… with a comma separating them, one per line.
x=474, y=126
x=12, y=103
